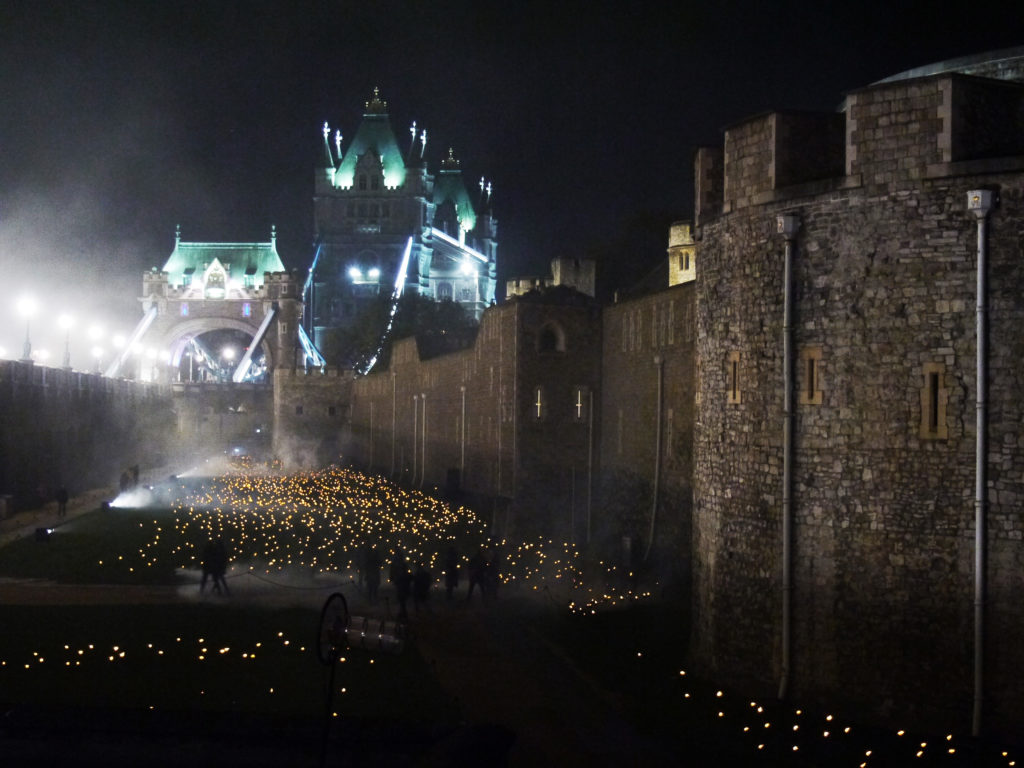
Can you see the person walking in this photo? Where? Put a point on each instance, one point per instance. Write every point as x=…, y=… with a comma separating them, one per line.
x=372, y=567
x=62, y=502
x=403, y=586
x=421, y=582
x=451, y=571
x=477, y=567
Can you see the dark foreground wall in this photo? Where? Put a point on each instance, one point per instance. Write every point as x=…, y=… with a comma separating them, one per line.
x=81, y=430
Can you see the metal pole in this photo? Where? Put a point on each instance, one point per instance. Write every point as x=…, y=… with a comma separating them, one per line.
x=980, y=202
x=26, y=352
x=393, y=423
x=590, y=458
x=462, y=456
x=423, y=452
x=787, y=226
x=659, y=361
x=415, y=433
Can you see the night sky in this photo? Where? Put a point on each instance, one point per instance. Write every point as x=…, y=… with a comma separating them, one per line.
x=119, y=120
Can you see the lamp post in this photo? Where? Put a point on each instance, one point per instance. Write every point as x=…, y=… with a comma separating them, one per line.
x=95, y=335
x=26, y=307
x=228, y=355
x=65, y=321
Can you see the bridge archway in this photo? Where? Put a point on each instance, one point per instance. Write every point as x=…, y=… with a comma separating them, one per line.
x=206, y=288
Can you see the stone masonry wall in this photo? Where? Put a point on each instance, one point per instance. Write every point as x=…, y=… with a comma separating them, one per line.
x=76, y=429
x=470, y=416
x=884, y=514
x=640, y=337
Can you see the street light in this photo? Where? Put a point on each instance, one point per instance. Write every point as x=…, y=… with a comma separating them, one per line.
x=65, y=321
x=26, y=307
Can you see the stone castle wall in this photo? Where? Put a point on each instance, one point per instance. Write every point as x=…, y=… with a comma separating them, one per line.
x=76, y=429
x=883, y=499
x=469, y=420
x=644, y=339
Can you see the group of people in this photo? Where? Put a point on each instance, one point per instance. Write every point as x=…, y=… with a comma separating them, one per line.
x=408, y=583
x=215, y=565
x=482, y=571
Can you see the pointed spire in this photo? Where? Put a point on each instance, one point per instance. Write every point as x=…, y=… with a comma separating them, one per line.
x=423, y=142
x=328, y=157
x=177, y=235
x=488, y=193
x=376, y=105
x=273, y=235
x=450, y=163
x=412, y=141
x=337, y=143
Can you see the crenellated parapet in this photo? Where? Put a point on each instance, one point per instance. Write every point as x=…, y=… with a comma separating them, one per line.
x=886, y=134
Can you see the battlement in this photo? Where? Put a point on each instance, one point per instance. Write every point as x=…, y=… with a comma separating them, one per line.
x=574, y=273
x=887, y=134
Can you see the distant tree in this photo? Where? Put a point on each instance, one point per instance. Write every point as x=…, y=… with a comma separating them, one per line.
x=439, y=326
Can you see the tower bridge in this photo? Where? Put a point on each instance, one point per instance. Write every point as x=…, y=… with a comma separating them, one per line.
x=216, y=312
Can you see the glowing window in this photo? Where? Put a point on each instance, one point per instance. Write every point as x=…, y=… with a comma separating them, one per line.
x=934, y=401
x=247, y=309
x=809, y=376
x=733, y=370
x=538, y=403
x=184, y=309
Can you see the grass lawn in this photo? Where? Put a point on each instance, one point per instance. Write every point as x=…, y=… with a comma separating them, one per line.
x=93, y=549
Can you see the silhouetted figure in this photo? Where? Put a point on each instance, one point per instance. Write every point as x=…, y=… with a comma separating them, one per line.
x=477, y=565
x=403, y=586
x=451, y=571
x=220, y=566
x=62, y=501
x=421, y=582
x=135, y=476
x=215, y=565
x=397, y=564
x=492, y=573
x=372, y=573
x=126, y=481
x=205, y=561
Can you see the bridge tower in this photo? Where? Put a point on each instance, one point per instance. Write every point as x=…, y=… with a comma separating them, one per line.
x=226, y=288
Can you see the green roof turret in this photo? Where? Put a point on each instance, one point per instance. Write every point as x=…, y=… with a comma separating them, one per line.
x=374, y=136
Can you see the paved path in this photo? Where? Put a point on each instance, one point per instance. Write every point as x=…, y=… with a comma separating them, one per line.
x=504, y=671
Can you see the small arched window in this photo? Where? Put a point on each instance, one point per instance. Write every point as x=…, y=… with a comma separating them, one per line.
x=551, y=339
